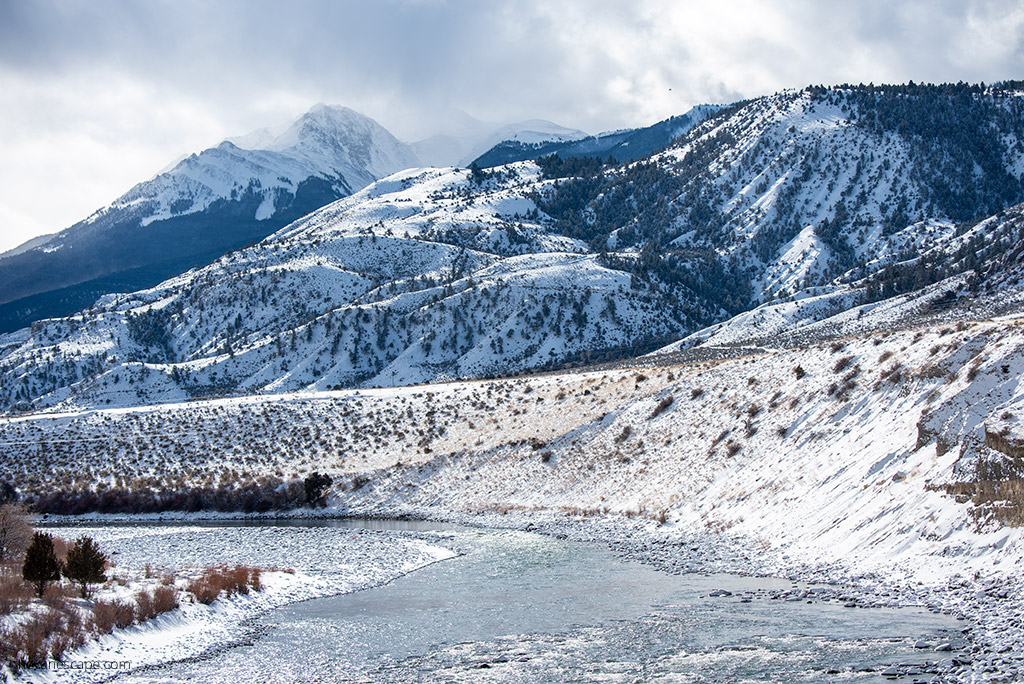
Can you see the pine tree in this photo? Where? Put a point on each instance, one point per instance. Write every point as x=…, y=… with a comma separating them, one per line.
x=85, y=564
x=41, y=565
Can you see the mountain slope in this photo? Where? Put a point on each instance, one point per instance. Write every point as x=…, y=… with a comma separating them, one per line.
x=207, y=204
x=796, y=214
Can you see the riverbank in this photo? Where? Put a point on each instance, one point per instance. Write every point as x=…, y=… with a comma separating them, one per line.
x=533, y=565
x=314, y=562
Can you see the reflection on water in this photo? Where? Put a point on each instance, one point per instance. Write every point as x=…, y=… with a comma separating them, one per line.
x=525, y=607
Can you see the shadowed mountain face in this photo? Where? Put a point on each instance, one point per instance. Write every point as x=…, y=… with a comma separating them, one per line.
x=769, y=216
x=208, y=204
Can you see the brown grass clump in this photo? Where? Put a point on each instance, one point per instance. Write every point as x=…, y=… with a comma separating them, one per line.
x=842, y=363
x=106, y=615
x=240, y=579
x=663, y=406
x=29, y=643
x=51, y=633
x=165, y=599
x=14, y=592
x=144, y=606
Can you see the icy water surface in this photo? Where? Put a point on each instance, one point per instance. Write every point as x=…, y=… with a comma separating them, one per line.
x=521, y=607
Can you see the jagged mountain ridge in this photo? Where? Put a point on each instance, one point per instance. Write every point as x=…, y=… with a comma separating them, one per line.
x=434, y=274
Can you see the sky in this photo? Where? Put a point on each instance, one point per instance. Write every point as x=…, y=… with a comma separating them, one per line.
x=98, y=95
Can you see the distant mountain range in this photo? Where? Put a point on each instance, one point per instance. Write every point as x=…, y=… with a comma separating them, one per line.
x=841, y=208
x=625, y=145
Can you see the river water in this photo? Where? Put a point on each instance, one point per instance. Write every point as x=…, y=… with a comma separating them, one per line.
x=522, y=607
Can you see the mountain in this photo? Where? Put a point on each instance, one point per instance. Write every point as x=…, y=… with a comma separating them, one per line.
x=462, y=138
x=624, y=145
x=209, y=203
x=803, y=215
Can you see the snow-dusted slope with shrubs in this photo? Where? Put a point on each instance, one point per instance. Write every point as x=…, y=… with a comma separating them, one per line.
x=422, y=276
x=806, y=204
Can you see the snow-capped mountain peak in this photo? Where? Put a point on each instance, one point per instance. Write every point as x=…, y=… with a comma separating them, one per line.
x=235, y=193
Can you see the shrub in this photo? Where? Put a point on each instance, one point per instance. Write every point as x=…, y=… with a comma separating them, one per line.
x=15, y=531
x=624, y=435
x=29, y=640
x=315, y=486
x=663, y=406
x=145, y=608
x=106, y=615
x=841, y=364
x=972, y=372
x=217, y=580
x=165, y=599
x=696, y=393
x=892, y=374
x=14, y=592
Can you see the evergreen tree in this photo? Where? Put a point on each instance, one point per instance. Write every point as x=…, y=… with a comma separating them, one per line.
x=41, y=565
x=316, y=486
x=85, y=564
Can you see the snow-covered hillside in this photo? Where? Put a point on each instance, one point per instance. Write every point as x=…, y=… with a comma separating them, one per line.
x=417, y=278
x=776, y=215
x=623, y=145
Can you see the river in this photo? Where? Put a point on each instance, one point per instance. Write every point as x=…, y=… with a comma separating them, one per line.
x=523, y=607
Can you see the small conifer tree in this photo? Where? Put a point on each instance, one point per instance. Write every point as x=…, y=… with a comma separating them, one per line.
x=316, y=488
x=85, y=564
x=41, y=565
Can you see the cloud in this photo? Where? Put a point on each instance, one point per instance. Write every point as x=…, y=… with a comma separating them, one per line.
x=100, y=95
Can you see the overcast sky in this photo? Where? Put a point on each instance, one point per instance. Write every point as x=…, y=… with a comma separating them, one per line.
x=97, y=95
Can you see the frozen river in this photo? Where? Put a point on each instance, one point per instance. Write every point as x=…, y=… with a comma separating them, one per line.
x=522, y=607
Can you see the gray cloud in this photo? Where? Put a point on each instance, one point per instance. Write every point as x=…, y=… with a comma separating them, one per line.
x=100, y=94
